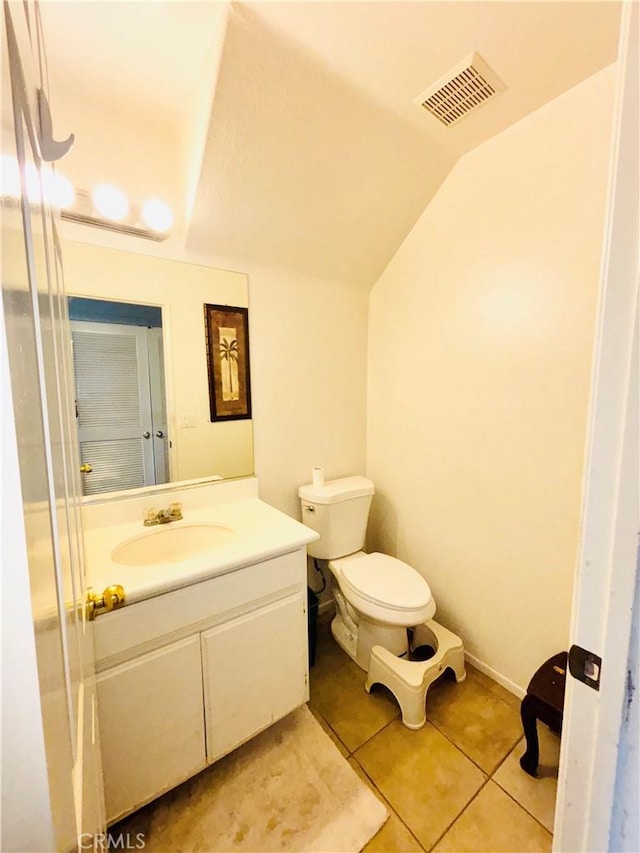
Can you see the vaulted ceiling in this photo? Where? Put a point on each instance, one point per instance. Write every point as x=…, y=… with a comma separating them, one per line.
x=305, y=147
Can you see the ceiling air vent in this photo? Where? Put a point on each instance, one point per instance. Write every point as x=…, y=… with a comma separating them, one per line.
x=466, y=87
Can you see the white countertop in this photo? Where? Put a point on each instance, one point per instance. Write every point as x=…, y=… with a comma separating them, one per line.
x=262, y=532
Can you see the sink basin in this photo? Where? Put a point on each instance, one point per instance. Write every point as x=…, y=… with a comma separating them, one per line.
x=169, y=544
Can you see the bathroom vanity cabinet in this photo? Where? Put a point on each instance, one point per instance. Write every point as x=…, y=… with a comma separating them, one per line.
x=185, y=677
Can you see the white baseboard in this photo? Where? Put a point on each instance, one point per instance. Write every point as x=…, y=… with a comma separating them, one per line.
x=502, y=680
x=496, y=676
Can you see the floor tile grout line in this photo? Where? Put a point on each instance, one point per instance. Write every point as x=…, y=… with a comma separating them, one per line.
x=487, y=779
x=489, y=775
x=352, y=753
x=459, y=748
x=523, y=807
x=324, y=719
x=475, y=796
x=387, y=803
x=371, y=737
x=509, y=754
x=391, y=807
x=384, y=799
x=460, y=813
x=513, y=797
x=437, y=728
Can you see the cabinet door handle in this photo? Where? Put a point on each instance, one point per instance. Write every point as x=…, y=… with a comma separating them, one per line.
x=159, y=434
x=146, y=434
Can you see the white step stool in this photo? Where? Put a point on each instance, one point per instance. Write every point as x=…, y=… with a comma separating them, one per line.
x=409, y=680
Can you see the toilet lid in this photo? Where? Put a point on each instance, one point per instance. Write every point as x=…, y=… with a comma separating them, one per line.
x=385, y=580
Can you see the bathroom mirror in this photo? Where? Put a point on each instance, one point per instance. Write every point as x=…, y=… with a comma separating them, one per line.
x=139, y=332
x=120, y=395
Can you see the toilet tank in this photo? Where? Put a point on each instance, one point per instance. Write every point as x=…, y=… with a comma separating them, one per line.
x=338, y=511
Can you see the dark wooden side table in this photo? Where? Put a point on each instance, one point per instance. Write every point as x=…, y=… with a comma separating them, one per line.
x=544, y=701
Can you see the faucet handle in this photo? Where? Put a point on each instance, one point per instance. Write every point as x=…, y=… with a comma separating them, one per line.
x=175, y=510
x=151, y=515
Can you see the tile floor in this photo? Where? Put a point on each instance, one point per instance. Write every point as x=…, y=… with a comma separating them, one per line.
x=455, y=785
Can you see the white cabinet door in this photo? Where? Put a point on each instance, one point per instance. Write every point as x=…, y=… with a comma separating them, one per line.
x=255, y=672
x=151, y=725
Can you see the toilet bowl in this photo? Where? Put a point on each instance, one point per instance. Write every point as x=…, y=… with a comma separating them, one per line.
x=380, y=601
x=377, y=598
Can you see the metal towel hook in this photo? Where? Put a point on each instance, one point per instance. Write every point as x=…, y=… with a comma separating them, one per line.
x=50, y=149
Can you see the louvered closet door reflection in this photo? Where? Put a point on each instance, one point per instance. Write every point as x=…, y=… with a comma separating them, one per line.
x=113, y=406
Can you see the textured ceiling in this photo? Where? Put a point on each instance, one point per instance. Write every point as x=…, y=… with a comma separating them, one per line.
x=308, y=151
x=301, y=168
x=142, y=56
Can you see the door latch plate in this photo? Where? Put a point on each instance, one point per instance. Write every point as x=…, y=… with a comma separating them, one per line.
x=585, y=666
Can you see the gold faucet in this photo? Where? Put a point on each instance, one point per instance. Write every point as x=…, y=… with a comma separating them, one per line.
x=163, y=516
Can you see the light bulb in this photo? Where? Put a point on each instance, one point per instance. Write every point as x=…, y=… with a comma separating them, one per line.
x=157, y=214
x=10, y=176
x=34, y=189
x=110, y=202
x=59, y=190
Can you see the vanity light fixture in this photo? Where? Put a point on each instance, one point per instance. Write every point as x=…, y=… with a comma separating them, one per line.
x=157, y=214
x=62, y=191
x=110, y=202
x=107, y=211
x=9, y=177
x=106, y=207
x=58, y=189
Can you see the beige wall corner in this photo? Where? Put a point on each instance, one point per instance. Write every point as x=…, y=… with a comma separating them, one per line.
x=309, y=369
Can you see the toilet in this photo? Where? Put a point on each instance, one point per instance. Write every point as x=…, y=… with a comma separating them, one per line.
x=384, y=607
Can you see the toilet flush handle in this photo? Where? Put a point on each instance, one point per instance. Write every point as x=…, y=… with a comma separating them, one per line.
x=310, y=508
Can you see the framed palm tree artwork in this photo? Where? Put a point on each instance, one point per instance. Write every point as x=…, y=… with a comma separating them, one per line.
x=227, y=337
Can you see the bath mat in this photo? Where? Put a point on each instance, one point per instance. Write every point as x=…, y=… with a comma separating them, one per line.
x=288, y=789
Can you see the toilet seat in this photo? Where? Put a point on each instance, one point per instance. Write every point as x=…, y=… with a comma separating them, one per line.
x=382, y=579
x=385, y=589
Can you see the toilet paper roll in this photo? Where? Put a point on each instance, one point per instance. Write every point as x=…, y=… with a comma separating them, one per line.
x=317, y=476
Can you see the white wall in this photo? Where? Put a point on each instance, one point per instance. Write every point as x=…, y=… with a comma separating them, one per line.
x=480, y=340
x=309, y=353
x=309, y=377
x=181, y=289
